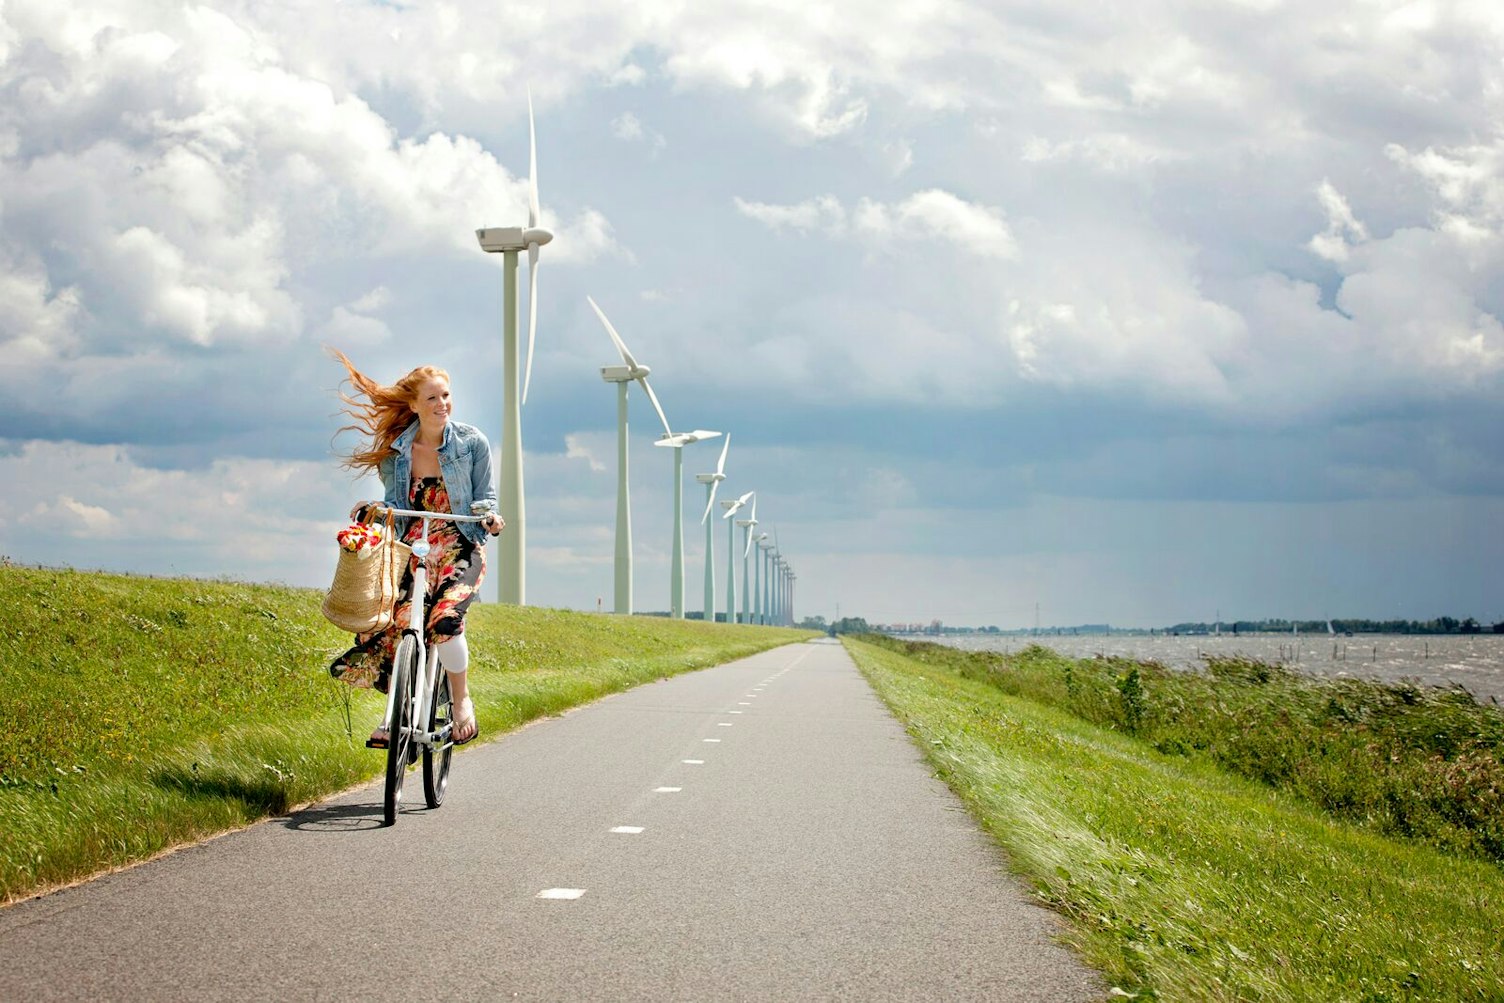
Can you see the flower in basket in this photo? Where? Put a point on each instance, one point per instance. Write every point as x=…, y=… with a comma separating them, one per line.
x=358, y=536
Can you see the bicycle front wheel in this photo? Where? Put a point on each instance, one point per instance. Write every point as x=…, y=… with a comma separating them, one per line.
x=399, y=740
x=436, y=757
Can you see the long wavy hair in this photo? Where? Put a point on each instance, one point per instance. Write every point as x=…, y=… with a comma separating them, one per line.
x=383, y=414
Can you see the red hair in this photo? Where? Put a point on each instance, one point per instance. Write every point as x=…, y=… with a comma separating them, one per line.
x=385, y=413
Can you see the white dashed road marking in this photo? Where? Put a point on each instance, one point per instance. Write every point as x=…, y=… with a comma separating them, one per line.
x=693, y=762
x=667, y=790
x=561, y=893
x=628, y=830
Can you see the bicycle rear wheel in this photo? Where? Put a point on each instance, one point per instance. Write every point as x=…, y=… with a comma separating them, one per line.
x=436, y=757
x=399, y=740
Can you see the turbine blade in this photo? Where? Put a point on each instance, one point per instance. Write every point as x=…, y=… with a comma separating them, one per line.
x=656, y=406
x=532, y=165
x=709, y=502
x=720, y=467
x=737, y=505
x=754, y=506
x=532, y=313
x=748, y=548
x=621, y=346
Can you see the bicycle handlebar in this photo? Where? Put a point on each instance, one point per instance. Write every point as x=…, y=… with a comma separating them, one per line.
x=382, y=510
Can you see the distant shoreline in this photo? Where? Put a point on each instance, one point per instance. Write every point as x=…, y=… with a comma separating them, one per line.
x=1472, y=661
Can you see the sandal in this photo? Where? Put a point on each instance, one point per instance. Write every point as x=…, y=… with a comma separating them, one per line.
x=464, y=727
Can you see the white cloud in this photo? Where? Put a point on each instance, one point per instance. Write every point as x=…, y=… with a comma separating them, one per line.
x=267, y=518
x=575, y=448
x=221, y=151
x=629, y=75
x=70, y=517
x=899, y=156
x=824, y=212
x=1468, y=179
x=629, y=129
x=350, y=329
x=375, y=301
x=932, y=214
x=36, y=321
x=938, y=214
x=1342, y=227
x=1111, y=152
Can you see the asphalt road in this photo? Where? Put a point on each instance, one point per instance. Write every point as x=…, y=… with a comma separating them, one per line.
x=763, y=830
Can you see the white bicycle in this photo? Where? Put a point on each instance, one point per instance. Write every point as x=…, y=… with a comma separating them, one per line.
x=419, y=717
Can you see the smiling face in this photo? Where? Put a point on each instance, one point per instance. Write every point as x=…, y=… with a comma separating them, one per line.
x=432, y=404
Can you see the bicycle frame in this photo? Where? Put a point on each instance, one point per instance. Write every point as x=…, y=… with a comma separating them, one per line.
x=421, y=731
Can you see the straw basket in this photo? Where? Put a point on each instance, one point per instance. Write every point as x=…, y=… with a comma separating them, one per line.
x=364, y=592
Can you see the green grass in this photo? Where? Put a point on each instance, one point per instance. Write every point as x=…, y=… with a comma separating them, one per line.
x=144, y=713
x=1422, y=763
x=1183, y=882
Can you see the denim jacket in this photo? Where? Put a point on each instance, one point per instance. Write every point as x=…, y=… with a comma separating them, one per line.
x=465, y=462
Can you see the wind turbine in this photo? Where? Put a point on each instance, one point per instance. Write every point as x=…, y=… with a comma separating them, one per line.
x=712, y=482
x=765, y=597
x=760, y=578
x=621, y=376
x=775, y=594
x=731, y=505
x=746, y=525
x=677, y=441
x=508, y=241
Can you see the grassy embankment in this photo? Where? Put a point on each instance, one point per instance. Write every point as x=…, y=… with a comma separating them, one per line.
x=1139, y=804
x=143, y=713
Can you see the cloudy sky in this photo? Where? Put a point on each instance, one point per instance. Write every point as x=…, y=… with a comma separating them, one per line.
x=1135, y=312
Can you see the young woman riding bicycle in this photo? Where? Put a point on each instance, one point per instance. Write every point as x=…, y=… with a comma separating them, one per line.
x=426, y=461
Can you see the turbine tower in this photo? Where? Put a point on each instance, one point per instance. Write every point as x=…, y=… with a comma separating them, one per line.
x=775, y=595
x=677, y=441
x=766, y=597
x=712, y=482
x=508, y=241
x=746, y=525
x=621, y=376
x=760, y=580
x=731, y=505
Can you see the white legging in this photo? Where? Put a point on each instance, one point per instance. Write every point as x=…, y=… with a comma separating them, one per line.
x=454, y=655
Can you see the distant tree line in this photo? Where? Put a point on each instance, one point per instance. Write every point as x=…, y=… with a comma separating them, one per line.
x=845, y=625
x=1440, y=625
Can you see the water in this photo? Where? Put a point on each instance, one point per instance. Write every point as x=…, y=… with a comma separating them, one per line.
x=1475, y=661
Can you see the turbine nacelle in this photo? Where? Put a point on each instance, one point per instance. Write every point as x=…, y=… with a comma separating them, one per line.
x=497, y=239
x=678, y=440
x=710, y=479
x=624, y=374
x=731, y=505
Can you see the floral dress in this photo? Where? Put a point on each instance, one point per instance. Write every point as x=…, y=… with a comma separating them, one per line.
x=456, y=568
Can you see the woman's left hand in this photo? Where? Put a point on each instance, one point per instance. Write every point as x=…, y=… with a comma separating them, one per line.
x=494, y=524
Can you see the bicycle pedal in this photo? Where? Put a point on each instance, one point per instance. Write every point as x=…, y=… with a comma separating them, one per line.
x=376, y=743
